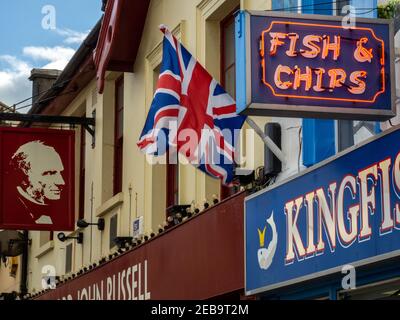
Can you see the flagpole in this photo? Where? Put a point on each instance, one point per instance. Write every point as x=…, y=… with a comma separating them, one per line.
x=267, y=140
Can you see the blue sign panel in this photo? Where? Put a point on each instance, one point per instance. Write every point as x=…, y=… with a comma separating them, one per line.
x=345, y=210
x=312, y=66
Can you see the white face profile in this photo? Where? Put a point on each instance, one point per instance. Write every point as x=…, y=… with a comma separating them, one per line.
x=41, y=169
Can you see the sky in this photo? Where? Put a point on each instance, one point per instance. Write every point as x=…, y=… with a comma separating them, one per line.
x=40, y=34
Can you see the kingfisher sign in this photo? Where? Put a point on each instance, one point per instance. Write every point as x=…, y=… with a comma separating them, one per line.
x=311, y=66
x=345, y=210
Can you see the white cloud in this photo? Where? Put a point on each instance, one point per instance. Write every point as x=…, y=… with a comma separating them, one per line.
x=57, y=57
x=72, y=36
x=14, y=83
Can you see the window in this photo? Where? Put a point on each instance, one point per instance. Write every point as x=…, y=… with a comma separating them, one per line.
x=172, y=183
x=119, y=134
x=68, y=259
x=228, y=67
x=81, y=214
x=286, y=4
x=113, y=230
x=170, y=170
x=228, y=71
x=45, y=237
x=340, y=5
x=159, y=181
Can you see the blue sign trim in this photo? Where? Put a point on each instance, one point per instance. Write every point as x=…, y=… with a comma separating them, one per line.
x=240, y=47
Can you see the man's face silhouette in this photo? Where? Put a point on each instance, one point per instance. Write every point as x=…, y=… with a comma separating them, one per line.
x=45, y=179
x=42, y=167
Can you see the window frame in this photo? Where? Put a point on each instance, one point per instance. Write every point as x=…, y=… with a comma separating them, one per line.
x=225, y=191
x=69, y=254
x=118, y=139
x=172, y=172
x=82, y=174
x=113, y=231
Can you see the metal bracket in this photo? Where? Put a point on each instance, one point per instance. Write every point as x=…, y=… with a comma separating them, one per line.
x=87, y=123
x=268, y=141
x=92, y=130
x=89, y=129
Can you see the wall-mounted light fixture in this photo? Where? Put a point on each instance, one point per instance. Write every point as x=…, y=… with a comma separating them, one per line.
x=83, y=224
x=62, y=237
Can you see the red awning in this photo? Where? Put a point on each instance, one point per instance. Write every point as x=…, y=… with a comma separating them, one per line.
x=201, y=258
x=120, y=37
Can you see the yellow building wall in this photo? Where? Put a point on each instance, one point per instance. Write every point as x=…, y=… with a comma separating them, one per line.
x=197, y=24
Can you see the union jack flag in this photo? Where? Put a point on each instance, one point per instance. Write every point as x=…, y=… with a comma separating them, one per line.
x=192, y=114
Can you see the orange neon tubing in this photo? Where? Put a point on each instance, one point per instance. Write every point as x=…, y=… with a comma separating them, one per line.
x=263, y=63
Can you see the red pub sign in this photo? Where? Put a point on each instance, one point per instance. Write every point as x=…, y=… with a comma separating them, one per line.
x=37, y=180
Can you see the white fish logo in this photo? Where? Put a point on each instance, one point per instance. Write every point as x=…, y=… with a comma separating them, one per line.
x=266, y=255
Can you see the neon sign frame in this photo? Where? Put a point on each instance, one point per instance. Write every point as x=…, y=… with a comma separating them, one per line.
x=313, y=97
x=303, y=105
